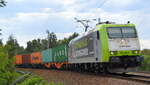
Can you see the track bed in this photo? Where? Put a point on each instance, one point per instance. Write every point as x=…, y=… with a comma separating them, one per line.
x=76, y=78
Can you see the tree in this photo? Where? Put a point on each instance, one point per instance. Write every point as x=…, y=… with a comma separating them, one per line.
x=2, y=3
x=1, y=43
x=36, y=45
x=67, y=40
x=146, y=51
x=13, y=47
x=44, y=43
x=52, y=39
x=74, y=35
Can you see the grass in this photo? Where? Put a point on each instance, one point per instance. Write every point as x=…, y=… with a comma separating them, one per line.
x=145, y=64
x=36, y=80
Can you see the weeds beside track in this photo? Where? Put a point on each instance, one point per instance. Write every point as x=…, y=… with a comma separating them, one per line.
x=21, y=78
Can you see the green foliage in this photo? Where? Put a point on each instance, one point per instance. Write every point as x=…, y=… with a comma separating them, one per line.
x=36, y=45
x=35, y=80
x=33, y=46
x=145, y=64
x=52, y=40
x=2, y=3
x=7, y=73
x=13, y=47
x=1, y=43
x=67, y=40
x=146, y=52
x=8, y=77
x=3, y=58
x=42, y=44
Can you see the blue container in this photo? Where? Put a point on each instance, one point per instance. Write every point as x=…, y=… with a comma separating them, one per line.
x=47, y=56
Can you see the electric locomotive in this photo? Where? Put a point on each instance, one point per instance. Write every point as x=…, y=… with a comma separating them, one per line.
x=109, y=47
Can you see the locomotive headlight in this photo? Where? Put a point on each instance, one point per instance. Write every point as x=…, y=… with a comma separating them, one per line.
x=111, y=53
x=136, y=52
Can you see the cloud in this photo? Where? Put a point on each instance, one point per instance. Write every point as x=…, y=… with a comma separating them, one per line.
x=58, y=16
x=63, y=35
x=19, y=0
x=145, y=44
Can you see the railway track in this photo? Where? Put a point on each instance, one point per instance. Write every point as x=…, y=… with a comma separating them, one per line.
x=131, y=77
x=21, y=78
x=138, y=78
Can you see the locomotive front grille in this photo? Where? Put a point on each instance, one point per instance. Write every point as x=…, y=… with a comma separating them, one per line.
x=125, y=61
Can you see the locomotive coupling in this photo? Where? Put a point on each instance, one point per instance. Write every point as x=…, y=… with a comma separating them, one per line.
x=140, y=58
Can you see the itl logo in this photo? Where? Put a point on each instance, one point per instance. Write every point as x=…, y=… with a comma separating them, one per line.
x=35, y=58
x=124, y=43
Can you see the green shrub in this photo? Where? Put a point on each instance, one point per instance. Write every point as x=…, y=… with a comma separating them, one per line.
x=145, y=64
x=35, y=80
x=7, y=72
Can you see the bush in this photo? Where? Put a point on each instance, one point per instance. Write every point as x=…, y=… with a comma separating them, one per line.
x=145, y=64
x=35, y=80
x=7, y=72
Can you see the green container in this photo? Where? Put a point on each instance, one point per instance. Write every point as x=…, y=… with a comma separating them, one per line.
x=47, y=56
x=60, y=53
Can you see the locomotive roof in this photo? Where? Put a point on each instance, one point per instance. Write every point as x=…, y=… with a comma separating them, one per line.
x=98, y=26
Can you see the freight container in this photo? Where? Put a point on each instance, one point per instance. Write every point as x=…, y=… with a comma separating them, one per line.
x=47, y=56
x=18, y=59
x=60, y=53
x=26, y=59
x=36, y=58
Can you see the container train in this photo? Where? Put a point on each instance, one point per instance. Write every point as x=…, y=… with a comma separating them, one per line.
x=107, y=48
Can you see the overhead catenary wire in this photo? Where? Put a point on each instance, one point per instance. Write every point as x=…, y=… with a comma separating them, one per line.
x=85, y=22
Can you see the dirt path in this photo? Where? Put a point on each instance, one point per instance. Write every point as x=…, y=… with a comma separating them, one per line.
x=73, y=78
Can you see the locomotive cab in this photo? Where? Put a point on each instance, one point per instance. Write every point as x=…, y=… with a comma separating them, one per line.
x=122, y=49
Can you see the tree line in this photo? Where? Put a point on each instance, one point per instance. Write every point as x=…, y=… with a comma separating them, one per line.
x=41, y=44
x=36, y=44
x=146, y=51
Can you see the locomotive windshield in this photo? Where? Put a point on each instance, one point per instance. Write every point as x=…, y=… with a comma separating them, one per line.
x=121, y=32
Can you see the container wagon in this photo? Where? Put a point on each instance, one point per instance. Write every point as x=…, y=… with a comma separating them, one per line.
x=18, y=60
x=47, y=58
x=60, y=55
x=36, y=59
x=26, y=60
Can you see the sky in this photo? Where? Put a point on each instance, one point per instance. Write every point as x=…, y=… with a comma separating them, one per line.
x=29, y=19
